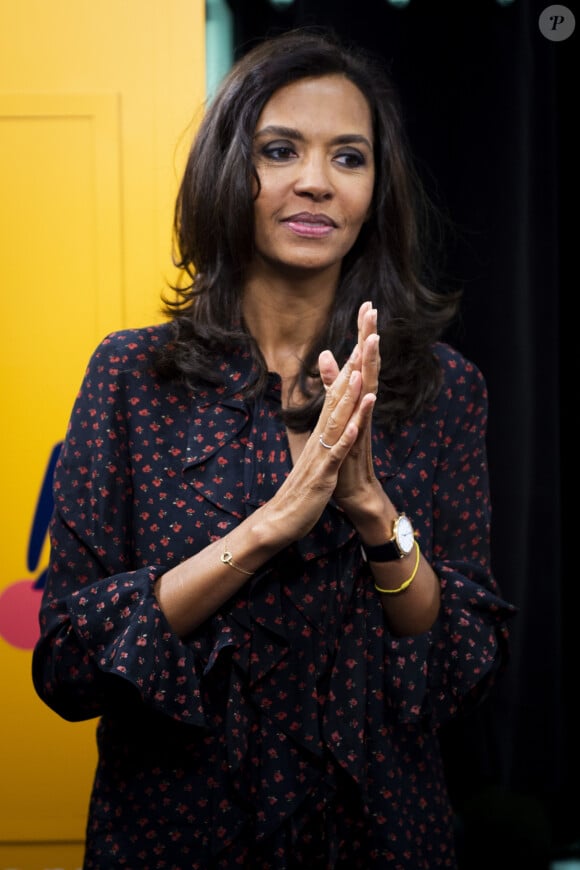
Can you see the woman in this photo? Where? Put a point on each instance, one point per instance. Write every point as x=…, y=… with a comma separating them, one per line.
x=270, y=573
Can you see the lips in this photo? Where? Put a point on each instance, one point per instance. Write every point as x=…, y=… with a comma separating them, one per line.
x=306, y=217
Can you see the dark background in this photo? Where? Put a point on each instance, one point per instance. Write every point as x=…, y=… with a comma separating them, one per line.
x=490, y=107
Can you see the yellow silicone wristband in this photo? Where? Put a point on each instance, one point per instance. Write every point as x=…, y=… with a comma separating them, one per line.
x=408, y=582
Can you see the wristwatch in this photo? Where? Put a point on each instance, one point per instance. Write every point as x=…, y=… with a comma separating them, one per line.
x=400, y=544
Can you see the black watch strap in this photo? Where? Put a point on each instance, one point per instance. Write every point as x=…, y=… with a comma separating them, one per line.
x=388, y=552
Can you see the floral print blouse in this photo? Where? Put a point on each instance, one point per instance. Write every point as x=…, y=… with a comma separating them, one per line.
x=291, y=729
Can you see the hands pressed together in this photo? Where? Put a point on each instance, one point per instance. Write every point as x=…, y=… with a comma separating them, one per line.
x=335, y=463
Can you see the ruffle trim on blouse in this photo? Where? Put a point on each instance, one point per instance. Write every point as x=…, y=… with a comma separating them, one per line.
x=298, y=707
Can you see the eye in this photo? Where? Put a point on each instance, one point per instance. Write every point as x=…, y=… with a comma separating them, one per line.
x=278, y=151
x=351, y=159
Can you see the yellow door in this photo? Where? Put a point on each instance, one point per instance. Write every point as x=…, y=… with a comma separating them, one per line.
x=98, y=102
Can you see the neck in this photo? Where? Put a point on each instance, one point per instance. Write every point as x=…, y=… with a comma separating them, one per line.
x=284, y=317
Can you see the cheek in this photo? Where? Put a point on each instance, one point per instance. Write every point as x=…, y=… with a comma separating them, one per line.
x=362, y=208
x=366, y=205
x=267, y=210
x=259, y=212
x=259, y=189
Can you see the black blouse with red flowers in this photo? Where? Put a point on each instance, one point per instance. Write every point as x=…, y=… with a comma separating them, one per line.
x=291, y=729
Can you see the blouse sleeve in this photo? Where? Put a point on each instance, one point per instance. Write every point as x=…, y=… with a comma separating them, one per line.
x=101, y=627
x=454, y=666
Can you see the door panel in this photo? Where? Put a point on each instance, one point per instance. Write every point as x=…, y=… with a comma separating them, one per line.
x=98, y=102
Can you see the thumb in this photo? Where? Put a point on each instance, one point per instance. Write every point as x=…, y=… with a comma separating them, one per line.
x=328, y=368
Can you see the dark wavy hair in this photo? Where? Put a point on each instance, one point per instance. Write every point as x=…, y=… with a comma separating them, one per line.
x=214, y=237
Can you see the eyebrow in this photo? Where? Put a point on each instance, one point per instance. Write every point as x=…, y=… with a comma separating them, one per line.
x=291, y=133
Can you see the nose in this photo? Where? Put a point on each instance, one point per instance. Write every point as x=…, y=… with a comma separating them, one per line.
x=314, y=178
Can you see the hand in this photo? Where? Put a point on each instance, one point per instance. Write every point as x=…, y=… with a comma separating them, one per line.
x=356, y=482
x=299, y=502
x=191, y=591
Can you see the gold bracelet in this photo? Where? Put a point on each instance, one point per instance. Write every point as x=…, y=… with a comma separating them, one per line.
x=407, y=582
x=227, y=558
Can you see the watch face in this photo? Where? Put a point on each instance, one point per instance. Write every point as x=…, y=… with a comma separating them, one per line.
x=404, y=534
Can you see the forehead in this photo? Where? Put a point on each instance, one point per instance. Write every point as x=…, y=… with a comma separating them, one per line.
x=319, y=101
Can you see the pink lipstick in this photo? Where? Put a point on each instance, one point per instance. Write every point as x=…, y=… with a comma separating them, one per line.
x=310, y=225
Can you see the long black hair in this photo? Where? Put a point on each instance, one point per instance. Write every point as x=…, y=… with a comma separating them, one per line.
x=214, y=237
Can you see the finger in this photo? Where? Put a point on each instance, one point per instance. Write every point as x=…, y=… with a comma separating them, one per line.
x=332, y=425
x=371, y=363
x=328, y=368
x=361, y=450
x=340, y=449
x=367, y=322
x=364, y=413
x=363, y=310
x=336, y=385
x=362, y=417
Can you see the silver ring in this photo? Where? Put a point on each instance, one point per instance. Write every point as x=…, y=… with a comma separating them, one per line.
x=324, y=444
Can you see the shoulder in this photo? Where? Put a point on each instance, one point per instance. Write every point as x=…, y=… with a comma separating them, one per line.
x=463, y=398
x=126, y=359
x=128, y=351
x=132, y=348
x=122, y=371
x=459, y=372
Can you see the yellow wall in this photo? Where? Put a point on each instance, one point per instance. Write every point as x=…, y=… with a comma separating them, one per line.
x=97, y=105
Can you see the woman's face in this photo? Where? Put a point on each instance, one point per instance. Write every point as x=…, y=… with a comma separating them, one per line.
x=313, y=152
